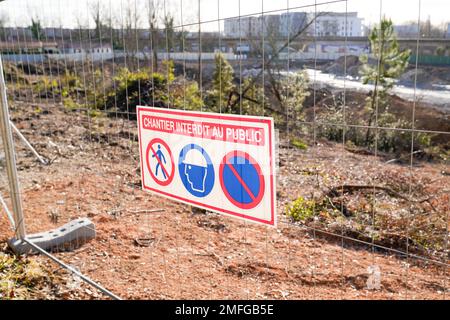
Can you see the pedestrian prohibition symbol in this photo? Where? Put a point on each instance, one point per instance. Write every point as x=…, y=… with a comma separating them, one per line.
x=160, y=162
x=218, y=162
x=241, y=180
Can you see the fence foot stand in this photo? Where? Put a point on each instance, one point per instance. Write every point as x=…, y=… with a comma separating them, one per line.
x=66, y=238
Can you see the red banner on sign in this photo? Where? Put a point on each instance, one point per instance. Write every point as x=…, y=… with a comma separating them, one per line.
x=205, y=130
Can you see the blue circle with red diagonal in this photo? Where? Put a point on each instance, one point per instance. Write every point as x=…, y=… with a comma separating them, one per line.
x=242, y=180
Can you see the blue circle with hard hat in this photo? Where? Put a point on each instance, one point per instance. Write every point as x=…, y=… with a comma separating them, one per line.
x=196, y=170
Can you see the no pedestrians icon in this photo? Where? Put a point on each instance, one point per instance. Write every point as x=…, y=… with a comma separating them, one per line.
x=160, y=162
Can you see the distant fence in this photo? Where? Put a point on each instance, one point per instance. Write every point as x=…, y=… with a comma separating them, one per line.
x=323, y=56
x=39, y=58
x=78, y=57
x=26, y=58
x=431, y=60
x=314, y=55
x=193, y=56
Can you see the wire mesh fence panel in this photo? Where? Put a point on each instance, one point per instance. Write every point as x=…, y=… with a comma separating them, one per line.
x=362, y=144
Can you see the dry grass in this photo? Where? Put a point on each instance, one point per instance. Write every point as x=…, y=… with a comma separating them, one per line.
x=22, y=278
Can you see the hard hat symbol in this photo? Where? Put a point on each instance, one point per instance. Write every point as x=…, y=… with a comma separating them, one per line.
x=195, y=158
x=196, y=170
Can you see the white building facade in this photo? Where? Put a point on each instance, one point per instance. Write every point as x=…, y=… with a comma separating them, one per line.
x=275, y=25
x=327, y=24
x=293, y=22
x=243, y=27
x=337, y=24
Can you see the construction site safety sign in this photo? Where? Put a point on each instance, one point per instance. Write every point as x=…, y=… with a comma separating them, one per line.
x=221, y=163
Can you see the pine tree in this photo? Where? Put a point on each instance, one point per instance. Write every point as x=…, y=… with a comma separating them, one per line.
x=224, y=93
x=391, y=63
x=294, y=91
x=36, y=29
x=222, y=85
x=170, y=32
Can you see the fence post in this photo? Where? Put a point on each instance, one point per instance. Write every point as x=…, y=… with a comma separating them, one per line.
x=10, y=158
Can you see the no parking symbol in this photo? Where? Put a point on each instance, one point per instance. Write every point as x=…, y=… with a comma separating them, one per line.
x=242, y=180
x=222, y=163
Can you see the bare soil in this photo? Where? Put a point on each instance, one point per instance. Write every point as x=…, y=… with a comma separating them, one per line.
x=180, y=254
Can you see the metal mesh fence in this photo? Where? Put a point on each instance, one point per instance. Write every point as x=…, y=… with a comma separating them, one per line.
x=363, y=187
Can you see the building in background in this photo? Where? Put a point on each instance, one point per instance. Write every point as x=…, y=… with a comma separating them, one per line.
x=448, y=30
x=293, y=22
x=365, y=31
x=243, y=27
x=328, y=24
x=337, y=24
x=272, y=25
x=406, y=30
x=86, y=48
x=29, y=47
x=268, y=25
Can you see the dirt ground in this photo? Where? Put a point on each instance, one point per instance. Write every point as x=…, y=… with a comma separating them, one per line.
x=180, y=254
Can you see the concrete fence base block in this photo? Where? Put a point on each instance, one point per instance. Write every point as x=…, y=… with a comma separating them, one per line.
x=66, y=238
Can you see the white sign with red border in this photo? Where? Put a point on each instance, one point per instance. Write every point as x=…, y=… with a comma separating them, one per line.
x=221, y=163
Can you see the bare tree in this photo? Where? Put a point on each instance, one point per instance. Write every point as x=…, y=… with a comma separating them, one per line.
x=272, y=32
x=170, y=32
x=81, y=26
x=268, y=66
x=112, y=21
x=126, y=38
x=200, y=75
x=153, y=9
x=100, y=20
x=330, y=28
x=409, y=29
x=4, y=19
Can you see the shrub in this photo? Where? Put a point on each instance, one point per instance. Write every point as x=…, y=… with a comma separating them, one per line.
x=70, y=104
x=299, y=144
x=152, y=89
x=389, y=139
x=440, y=51
x=19, y=277
x=187, y=96
x=62, y=87
x=136, y=88
x=301, y=210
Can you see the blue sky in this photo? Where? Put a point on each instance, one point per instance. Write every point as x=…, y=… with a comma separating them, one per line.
x=53, y=12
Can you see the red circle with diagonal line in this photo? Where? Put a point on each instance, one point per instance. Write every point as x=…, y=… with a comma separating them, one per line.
x=151, y=152
x=255, y=199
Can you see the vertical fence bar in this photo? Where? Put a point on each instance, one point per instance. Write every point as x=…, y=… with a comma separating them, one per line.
x=11, y=168
x=8, y=213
